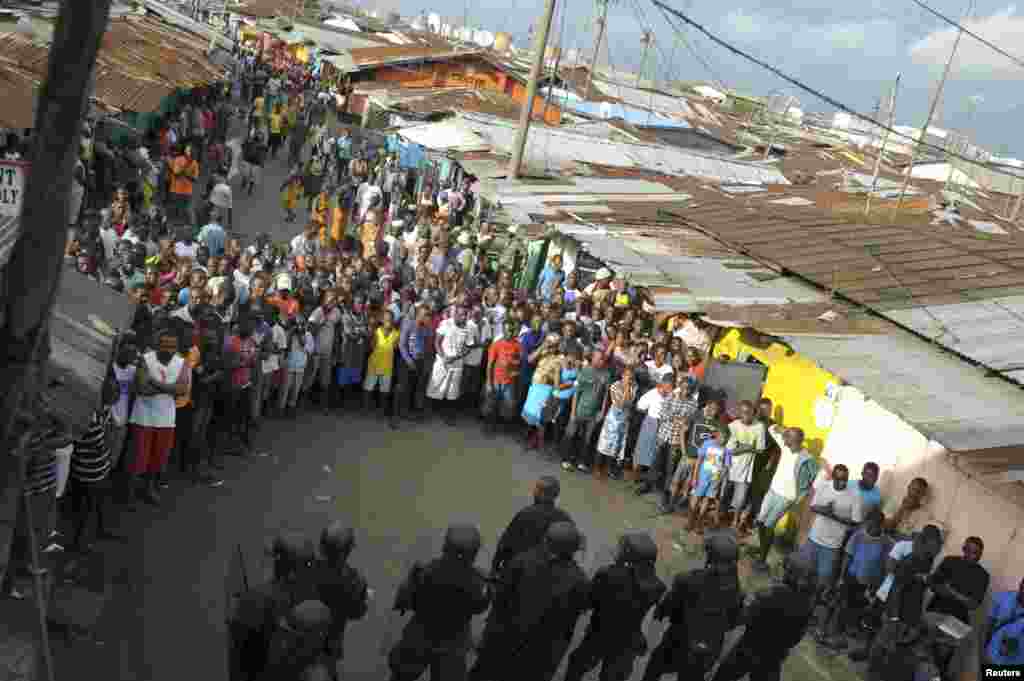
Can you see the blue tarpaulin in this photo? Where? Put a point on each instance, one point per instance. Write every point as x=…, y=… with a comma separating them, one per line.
x=410, y=155
x=627, y=113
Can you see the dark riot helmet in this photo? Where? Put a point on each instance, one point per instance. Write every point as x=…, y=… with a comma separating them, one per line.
x=309, y=617
x=462, y=541
x=722, y=547
x=800, y=572
x=337, y=540
x=291, y=551
x=637, y=547
x=563, y=539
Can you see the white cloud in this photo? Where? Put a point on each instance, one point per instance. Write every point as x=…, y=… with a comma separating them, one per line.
x=973, y=59
x=844, y=36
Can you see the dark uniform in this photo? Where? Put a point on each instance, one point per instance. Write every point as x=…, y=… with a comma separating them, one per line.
x=443, y=596
x=297, y=646
x=340, y=586
x=776, y=620
x=620, y=595
x=701, y=607
x=529, y=526
x=258, y=611
x=540, y=596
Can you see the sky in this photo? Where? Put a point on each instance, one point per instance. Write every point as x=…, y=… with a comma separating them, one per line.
x=851, y=51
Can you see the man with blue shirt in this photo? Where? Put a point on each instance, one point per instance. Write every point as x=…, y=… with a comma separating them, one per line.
x=414, y=346
x=1005, y=631
x=213, y=236
x=867, y=487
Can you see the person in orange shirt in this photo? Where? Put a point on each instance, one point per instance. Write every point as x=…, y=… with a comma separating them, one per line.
x=184, y=173
x=283, y=299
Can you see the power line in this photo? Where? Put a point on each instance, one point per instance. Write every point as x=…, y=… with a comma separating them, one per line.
x=966, y=31
x=821, y=95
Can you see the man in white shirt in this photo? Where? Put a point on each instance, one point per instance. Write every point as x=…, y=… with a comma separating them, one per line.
x=185, y=248
x=299, y=242
x=221, y=198
x=794, y=476
x=837, y=508
x=747, y=439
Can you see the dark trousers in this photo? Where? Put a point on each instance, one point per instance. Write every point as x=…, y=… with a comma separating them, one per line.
x=616, y=663
x=577, y=447
x=743, y=661
x=411, y=388
x=658, y=475
x=183, y=436
x=673, y=656
x=88, y=499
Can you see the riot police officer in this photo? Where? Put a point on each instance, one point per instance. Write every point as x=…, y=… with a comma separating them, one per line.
x=529, y=526
x=444, y=596
x=340, y=586
x=620, y=595
x=702, y=606
x=775, y=620
x=298, y=642
x=540, y=596
x=258, y=610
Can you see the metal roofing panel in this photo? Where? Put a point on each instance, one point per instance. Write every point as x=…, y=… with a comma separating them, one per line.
x=956, y=404
x=553, y=148
x=644, y=99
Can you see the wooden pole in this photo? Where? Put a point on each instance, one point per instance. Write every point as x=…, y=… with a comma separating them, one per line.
x=931, y=114
x=531, y=91
x=885, y=140
x=32, y=275
x=597, y=47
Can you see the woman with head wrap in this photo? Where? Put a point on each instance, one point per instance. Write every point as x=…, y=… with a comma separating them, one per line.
x=455, y=339
x=536, y=412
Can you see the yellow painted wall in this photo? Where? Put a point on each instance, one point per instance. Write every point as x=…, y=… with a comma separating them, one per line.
x=794, y=383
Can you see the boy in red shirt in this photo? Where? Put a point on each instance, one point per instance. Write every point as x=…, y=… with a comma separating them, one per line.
x=503, y=362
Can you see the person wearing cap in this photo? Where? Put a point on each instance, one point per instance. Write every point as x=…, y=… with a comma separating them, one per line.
x=539, y=597
x=444, y=596
x=702, y=607
x=776, y=619
x=621, y=594
x=598, y=290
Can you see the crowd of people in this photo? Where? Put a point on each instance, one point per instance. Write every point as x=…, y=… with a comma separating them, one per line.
x=396, y=296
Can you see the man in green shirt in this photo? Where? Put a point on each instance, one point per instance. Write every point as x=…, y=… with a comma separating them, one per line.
x=585, y=414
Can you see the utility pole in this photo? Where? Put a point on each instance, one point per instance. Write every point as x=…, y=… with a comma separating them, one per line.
x=646, y=40
x=885, y=139
x=601, y=22
x=531, y=91
x=931, y=111
x=32, y=276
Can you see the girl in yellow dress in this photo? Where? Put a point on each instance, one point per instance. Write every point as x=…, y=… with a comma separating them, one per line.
x=291, y=193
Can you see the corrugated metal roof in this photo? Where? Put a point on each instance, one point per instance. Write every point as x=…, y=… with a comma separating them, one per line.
x=644, y=99
x=958, y=405
x=953, y=284
x=554, y=148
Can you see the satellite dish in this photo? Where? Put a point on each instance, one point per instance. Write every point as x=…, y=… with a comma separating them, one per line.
x=483, y=38
x=434, y=21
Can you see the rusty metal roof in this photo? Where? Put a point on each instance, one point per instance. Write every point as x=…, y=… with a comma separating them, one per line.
x=141, y=61
x=378, y=56
x=954, y=284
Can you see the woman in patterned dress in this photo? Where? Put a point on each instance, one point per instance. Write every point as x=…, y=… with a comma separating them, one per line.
x=618, y=410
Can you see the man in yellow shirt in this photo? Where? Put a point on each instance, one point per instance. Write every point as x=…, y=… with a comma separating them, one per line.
x=257, y=110
x=276, y=125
